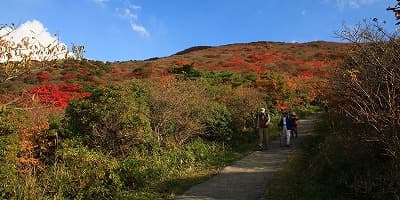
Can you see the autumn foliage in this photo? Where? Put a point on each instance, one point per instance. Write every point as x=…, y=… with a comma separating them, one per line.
x=366, y=109
x=175, y=117
x=57, y=95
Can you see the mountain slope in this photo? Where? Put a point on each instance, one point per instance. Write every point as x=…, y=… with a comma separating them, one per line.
x=296, y=59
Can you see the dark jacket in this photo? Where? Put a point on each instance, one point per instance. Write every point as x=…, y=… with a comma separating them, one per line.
x=289, y=123
x=263, y=120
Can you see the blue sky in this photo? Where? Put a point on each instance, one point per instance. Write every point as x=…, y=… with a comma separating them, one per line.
x=119, y=30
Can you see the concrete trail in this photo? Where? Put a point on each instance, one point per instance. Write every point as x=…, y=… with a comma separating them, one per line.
x=247, y=179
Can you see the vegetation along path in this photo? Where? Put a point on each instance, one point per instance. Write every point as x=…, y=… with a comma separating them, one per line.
x=248, y=178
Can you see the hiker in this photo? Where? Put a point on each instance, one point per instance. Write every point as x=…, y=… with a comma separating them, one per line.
x=295, y=122
x=286, y=126
x=263, y=120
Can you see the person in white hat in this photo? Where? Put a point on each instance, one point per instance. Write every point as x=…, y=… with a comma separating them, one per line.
x=263, y=120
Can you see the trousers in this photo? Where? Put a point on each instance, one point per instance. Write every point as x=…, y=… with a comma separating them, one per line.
x=263, y=137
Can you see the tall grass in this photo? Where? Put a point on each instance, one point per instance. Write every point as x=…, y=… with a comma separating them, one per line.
x=332, y=165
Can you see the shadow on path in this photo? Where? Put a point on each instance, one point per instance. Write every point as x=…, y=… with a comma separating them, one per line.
x=247, y=179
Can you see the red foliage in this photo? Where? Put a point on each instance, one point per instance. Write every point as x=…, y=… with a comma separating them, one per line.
x=117, y=71
x=320, y=54
x=58, y=95
x=318, y=64
x=83, y=71
x=69, y=76
x=236, y=61
x=257, y=69
x=299, y=62
x=154, y=69
x=256, y=57
x=165, y=73
x=214, y=68
x=236, y=64
x=43, y=76
x=181, y=62
x=265, y=57
x=247, y=49
x=306, y=74
x=28, y=139
x=281, y=105
x=289, y=58
x=235, y=48
x=326, y=75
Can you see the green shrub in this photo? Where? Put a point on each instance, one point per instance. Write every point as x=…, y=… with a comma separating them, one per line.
x=8, y=166
x=6, y=126
x=251, y=76
x=82, y=173
x=114, y=119
x=138, y=172
x=104, y=66
x=219, y=124
x=186, y=72
x=218, y=77
x=8, y=153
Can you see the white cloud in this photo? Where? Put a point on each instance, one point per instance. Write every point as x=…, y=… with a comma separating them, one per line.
x=135, y=7
x=35, y=34
x=354, y=3
x=100, y=2
x=128, y=14
x=140, y=29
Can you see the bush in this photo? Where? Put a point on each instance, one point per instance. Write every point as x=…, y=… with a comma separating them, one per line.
x=137, y=172
x=83, y=174
x=8, y=166
x=114, y=119
x=368, y=85
x=186, y=72
x=218, y=77
x=6, y=126
x=369, y=106
x=178, y=108
x=243, y=103
x=218, y=124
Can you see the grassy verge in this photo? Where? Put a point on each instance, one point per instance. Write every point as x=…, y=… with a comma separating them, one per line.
x=303, y=176
x=197, y=162
x=333, y=165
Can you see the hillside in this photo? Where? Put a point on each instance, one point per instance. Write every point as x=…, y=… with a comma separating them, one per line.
x=274, y=67
x=303, y=67
x=261, y=57
x=182, y=116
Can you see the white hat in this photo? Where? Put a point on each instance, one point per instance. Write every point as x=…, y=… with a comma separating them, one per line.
x=262, y=109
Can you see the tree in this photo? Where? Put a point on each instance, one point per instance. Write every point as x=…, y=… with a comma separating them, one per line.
x=396, y=11
x=16, y=57
x=368, y=85
x=180, y=110
x=78, y=51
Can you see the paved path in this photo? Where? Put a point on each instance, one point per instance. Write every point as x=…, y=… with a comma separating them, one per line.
x=247, y=179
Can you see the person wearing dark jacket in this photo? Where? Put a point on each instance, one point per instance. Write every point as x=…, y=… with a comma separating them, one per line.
x=295, y=122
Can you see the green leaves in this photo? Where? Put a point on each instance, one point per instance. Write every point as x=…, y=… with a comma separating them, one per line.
x=113, y=118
